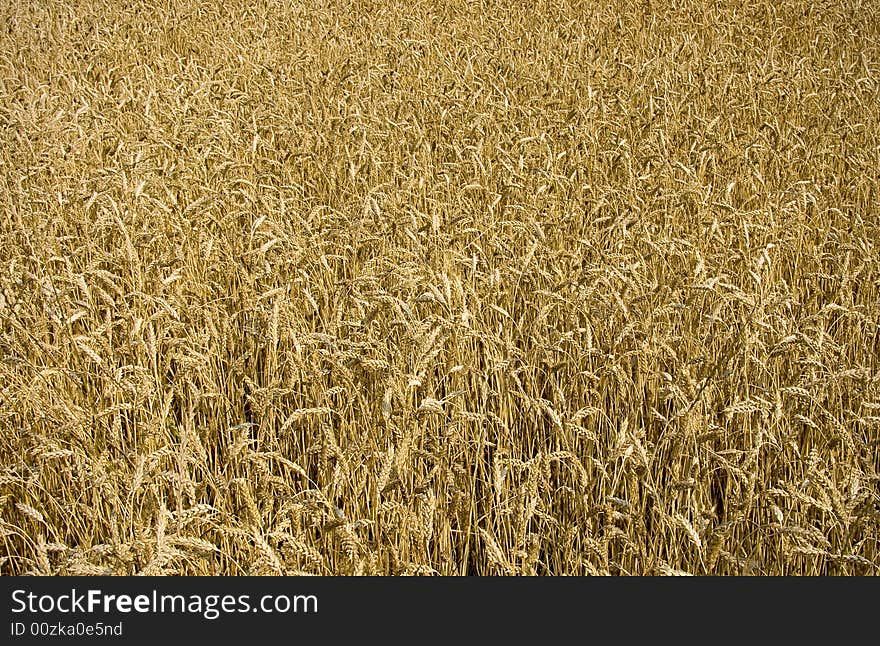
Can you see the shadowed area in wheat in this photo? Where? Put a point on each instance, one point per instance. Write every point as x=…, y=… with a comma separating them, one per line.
x=440, y=287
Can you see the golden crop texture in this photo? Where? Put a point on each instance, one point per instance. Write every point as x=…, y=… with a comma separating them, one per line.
x=442, y=287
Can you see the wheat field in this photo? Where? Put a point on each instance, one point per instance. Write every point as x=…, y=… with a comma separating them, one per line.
x=492, y=287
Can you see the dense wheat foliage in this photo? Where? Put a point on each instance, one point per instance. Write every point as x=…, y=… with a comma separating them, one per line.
x=387, y=287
